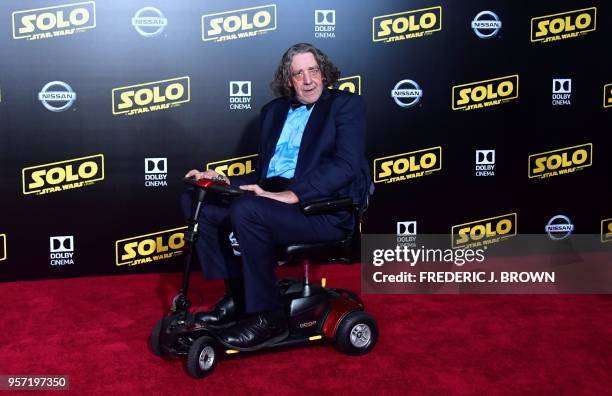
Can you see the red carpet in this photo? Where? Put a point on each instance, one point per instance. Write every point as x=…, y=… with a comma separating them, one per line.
x=95, y=330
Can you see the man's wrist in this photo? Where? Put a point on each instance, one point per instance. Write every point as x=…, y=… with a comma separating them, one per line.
x=293, y=198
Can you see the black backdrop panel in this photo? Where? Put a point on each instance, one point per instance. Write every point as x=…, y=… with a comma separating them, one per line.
x=118, y=177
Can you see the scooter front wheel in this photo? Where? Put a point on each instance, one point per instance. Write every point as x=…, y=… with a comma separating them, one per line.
x=202, y=357
x=154, y=338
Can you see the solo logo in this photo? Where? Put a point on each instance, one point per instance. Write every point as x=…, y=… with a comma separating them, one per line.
x=560, y=161
x=406, y=25
x=149, y=22
x=351, y=84
x=484, y=232
x=150, y=247
x=63, y=175
x=607, y=100
x=234, y=166
x=400, y=167
x=156, y=172
x=48, y=22
x=57, y=100
x=238, y=24
x=240, y=95
x=564, y=25
x=325, y=23
x=485, y=93
x=2, y=247
x=61, y=250
x=606, y=230
x=151, y=96
x=485, y=163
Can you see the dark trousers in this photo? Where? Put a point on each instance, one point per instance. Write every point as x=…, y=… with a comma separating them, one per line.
x=260, y=225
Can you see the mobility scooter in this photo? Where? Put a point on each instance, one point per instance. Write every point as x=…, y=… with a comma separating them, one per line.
x=313, y=311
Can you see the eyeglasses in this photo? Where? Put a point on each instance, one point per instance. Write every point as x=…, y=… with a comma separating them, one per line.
x=312, y=72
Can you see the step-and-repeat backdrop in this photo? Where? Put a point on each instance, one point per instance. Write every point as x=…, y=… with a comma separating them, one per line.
x=492, y=117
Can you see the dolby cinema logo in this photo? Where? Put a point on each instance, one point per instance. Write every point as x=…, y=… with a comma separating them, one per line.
x=156, y=172
x=57, y=96
x=406, y=233
x=406, y=93
x=325, y=24
x=240, y=95
x=149, y=22
x=486, y=24
x=61, y=250
x=562, y=92
x=485, y=163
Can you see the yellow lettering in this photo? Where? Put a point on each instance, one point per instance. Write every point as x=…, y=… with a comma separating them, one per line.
x=463, y=234
x=130, y=253
x=464, y=95
x=216, y=26
x=27, y=22
x=503, y=227
x=386, y=169
x=160, y=245
x=428, y=20
x=347, y=86
x=384, y=26
x=539, y=162
x=146, y=247
x=579, y=156
x=126, y=100
x=143, y=97
x=583, y=21
x=262, y=18
x=542, y=28
x=37, y=176
x=174, y=91
x=176, y=241
x=47, y=16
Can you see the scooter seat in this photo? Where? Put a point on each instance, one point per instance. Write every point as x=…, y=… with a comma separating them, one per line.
x=337, y=251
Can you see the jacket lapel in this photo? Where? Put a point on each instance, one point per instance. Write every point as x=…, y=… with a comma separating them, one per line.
x=278, y=121
x=314, y=126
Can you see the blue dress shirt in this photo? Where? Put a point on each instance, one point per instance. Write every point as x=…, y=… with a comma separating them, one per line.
x=285, y=156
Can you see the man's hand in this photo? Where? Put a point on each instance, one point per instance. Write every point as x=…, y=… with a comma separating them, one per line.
x=288, y=196
x=206, y=175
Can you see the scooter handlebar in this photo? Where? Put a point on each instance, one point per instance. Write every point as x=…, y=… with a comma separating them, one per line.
x=217, y=186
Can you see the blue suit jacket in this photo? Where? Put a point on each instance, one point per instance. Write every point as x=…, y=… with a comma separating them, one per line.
x=331, y=160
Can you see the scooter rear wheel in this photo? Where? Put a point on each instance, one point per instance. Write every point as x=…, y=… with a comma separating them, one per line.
x=357, y=334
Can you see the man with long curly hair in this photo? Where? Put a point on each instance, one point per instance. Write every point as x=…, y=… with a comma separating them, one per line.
x=311, y=148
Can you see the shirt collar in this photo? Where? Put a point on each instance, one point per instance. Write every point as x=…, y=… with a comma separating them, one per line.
x=295, y=104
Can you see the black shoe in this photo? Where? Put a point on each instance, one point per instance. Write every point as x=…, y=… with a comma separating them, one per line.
x=223, y=314
x=256, y=331
x=228, y=309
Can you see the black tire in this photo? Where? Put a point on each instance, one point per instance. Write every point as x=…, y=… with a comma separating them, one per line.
x=357, y=334
x=154, y=339
x=202, y=357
